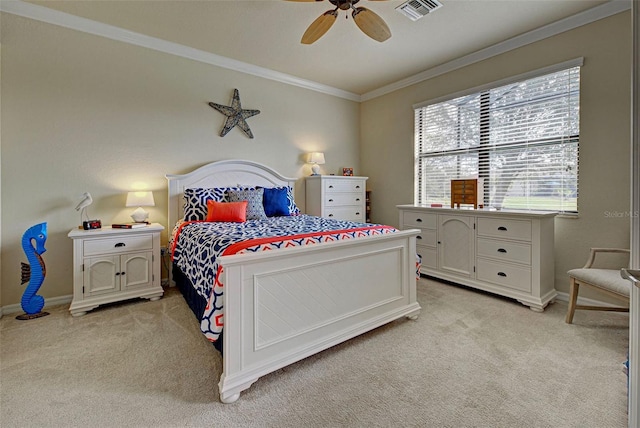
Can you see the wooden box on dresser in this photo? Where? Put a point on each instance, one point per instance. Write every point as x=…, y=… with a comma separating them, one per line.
x=505, y=252
x=111, y=264
x=337, y=197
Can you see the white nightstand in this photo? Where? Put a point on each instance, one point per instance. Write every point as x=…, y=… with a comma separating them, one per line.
x=337, y=197
x=110, y=265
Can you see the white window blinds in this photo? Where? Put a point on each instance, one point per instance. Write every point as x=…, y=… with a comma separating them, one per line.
x=519, y=139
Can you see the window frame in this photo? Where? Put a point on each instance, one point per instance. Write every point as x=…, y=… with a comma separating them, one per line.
x=482, y=91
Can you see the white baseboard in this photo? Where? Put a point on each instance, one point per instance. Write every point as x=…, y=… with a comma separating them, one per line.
x=564, y=297
x=52, y=301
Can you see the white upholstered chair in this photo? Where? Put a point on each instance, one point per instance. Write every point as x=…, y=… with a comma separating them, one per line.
x=607, y=281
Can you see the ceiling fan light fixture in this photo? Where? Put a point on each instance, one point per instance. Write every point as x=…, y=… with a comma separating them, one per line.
x=368, y=21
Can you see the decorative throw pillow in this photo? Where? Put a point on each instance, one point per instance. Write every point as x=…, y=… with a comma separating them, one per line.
x=227, y=211
x=195, y=200
x=293, y=208
x=255, y=210
x=276, y=202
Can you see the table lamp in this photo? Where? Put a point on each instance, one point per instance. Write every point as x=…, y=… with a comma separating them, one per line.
x=140, y=199
x=316, y=159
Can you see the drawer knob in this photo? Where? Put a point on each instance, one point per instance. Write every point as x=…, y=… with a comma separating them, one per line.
x=357, y=187
x=357, y=199
x=502, y=274
x=502, y=228
x=419, y=220
x=330, y=187
x=117, y=273
x=120, y=244
x=418, y=237
x=358, y=213
x=502, y=250
x=330, y=215
x=330, y=200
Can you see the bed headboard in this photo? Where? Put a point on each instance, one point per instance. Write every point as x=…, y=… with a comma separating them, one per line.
x=226, y=173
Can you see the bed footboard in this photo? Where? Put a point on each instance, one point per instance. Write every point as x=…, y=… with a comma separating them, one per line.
x=285, y=305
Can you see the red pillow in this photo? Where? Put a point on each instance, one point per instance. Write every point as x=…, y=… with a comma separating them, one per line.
x=227, y=211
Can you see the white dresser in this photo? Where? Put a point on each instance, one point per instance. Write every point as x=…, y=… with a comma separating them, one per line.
x=337, y=197
x=509, y=253
x=110, y=265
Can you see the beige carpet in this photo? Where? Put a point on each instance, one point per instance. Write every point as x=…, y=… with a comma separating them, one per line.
x=470, y=360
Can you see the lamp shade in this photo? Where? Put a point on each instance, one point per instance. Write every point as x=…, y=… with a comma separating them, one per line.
x=317, y=158
x=140, y=199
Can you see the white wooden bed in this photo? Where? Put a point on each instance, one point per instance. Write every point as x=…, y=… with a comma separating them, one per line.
x=374, y=276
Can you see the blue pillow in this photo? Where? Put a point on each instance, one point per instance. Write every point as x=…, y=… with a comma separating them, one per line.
x=276, y=201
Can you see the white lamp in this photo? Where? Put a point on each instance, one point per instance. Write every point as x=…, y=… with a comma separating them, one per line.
x=316, y=158
x=140, y=199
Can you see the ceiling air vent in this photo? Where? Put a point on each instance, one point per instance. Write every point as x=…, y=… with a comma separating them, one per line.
x=416, y=9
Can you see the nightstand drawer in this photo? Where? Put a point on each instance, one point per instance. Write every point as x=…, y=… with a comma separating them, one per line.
x=505, y=228
x=333, y=199
x=117, y=245
x=333, y=185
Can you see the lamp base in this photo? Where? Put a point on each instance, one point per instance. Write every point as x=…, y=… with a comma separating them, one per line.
x=140, y=215
x=315, y=169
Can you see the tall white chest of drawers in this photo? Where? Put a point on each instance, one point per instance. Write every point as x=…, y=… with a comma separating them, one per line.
x=337, y=197
x=509, y=253
x=111, y=265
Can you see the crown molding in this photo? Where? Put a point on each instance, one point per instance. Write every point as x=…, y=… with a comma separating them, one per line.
x=583, y=18
x=50, y=16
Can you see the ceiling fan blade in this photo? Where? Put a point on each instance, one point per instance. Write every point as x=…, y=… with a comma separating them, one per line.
x=371, y=24
x=318, y=27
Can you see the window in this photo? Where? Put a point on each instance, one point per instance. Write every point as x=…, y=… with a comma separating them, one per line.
x=519, y=139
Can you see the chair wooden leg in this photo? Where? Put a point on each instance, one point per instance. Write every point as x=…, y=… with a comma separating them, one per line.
x=573, y=297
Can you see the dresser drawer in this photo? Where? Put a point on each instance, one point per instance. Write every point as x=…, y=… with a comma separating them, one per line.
x=505, y=228
x=336, y=185
x=419, y=219
x=333, y=199
x=117, y=245
x=345, y=213
x=426, y=237
x=518, y=278
x=505, y=251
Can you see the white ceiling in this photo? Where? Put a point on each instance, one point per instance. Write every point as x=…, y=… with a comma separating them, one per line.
x=267, y=33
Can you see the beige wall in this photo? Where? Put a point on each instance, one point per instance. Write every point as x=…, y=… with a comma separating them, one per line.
x=387, y=155
x=84, y=113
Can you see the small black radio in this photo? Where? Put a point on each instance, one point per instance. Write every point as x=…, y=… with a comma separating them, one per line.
x=91, y=224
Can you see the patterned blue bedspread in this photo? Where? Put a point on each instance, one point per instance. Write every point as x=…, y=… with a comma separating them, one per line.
x=196, y=247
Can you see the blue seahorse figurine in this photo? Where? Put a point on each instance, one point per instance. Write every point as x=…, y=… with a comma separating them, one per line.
x=34, y=271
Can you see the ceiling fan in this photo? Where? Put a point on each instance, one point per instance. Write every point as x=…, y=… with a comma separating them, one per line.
x=368, y=21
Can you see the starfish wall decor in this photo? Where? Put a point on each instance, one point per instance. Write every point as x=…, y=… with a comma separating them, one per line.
x=235, y=115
